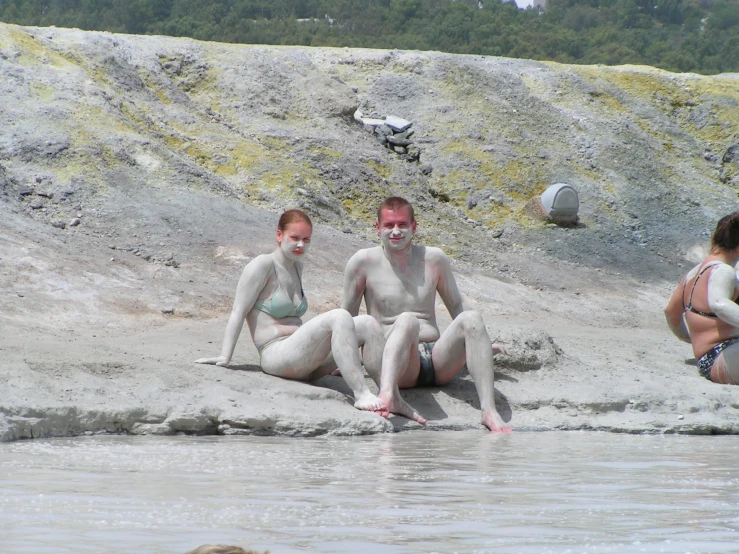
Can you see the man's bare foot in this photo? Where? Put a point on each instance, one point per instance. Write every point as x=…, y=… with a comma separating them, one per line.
x=396, y=405
x=493, y=421
x=370, y=403
x=499, y=349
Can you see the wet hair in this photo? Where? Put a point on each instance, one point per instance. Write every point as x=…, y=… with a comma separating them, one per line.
x=292, y=216
x=726, y=235
x=395, y=203
x=222, y=549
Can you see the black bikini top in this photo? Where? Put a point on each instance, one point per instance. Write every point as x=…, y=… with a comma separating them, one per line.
x=690, y=307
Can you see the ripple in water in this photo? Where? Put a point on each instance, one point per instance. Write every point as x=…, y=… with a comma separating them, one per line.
x=443, y=492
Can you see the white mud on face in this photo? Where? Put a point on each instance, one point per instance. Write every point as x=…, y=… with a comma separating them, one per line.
x=413, y=492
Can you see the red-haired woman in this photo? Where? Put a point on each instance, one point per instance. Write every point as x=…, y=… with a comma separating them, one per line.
x=703, y=311
x=270, y=298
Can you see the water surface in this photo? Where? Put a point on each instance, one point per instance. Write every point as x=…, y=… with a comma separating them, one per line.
x=406, y=493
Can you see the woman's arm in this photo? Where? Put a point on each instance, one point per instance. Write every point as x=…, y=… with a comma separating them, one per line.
x=721, y=288
x=674, y=314
x=251, y=283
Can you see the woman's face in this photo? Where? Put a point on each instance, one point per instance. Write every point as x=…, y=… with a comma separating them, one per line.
x=294, y=240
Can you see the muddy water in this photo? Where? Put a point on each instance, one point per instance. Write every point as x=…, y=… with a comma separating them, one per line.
x=404, y=493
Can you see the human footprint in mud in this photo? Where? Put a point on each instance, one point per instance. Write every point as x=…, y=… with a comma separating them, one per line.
x=399, y=281
x=703, y=310
x=270, y=298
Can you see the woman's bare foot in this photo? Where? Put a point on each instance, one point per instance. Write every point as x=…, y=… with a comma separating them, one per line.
x=493, y=421
x=396, y=405
x=370, y=403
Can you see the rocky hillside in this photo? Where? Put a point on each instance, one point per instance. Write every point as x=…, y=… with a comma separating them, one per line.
x=139, y=174
x=89, y=119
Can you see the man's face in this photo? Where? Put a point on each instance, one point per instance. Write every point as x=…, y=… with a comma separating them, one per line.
x=395, y=228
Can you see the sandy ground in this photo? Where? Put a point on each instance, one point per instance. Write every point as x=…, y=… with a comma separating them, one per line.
x=95, y=340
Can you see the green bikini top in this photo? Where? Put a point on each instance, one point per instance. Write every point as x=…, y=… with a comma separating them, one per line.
x=280, y=305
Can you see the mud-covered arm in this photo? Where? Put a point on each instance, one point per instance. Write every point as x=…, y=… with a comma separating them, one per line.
x=447, y=285
x=354, y=284
x=674, y=314
x=721, y=288
x=251, y=283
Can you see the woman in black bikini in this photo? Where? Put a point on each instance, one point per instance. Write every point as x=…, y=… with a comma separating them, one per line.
x=703, y=309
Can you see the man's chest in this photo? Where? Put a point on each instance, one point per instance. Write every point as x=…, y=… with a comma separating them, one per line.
x=387, y=287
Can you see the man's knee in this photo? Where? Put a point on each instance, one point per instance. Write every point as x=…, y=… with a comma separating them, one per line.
x=408, y=324
x=472, y=323
x=367, y=324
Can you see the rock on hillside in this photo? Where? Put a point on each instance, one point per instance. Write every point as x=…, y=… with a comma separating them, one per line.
x=653, y=155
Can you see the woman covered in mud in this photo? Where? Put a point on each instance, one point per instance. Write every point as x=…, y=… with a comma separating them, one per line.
x=703, y=311
x=270, y=298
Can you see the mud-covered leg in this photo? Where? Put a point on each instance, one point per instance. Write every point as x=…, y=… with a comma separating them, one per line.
x=300, y=354
x=466, y=339
x=398, y=366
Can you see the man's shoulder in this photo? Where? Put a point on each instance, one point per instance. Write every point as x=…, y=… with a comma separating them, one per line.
x=366, y=254
x=434, y=254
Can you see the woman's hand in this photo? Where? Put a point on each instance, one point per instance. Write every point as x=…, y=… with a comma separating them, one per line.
x=218, y=360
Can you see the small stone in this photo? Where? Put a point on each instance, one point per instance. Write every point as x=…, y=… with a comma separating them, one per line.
x=74, y=222
x=112, y=259
x=58, y=224
x=426, y=169
x=384, y=130
x=393, y=139
x=111, y=246
x=681, y=417
x=399, y=149
x=347, y=231
x=397, y=123
x=44, y=194
x=414, y=152
x=24, y=191
x=497, y=234
x=168, y=311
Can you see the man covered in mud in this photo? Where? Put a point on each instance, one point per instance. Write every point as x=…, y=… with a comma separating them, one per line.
x=399, y=281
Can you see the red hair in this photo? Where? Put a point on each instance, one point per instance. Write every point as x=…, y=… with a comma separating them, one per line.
x=292, y=216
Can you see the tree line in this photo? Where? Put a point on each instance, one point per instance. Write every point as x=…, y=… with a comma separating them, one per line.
x=700, y=36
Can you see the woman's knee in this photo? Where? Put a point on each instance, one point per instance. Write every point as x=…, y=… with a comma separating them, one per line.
x=341, y=318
